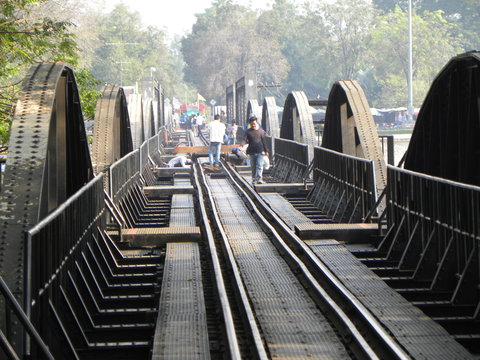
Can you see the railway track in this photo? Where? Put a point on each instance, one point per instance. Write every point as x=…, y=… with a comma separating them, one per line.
x=288, y=309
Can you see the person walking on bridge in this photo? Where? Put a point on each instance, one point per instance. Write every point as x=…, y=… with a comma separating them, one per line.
x=217, y=130
x=255, y=138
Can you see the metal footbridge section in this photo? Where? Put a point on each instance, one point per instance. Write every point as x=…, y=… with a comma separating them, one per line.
x=313, y=238
x=181, y=330
x=291, y=324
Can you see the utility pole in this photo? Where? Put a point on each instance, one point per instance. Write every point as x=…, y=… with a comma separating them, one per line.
x=410, y=64
x=121, y=62
x=121, y=69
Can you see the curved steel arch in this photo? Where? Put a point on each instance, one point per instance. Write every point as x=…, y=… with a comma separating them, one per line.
x=135, y=114
x=350, y=129
x=112, y=137
x=445, y=142
x=48, y=160
x=253, y=109
x=148, y=119
x=297, y=122
x=270, y=121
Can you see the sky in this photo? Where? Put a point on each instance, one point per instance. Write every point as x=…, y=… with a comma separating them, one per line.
x=177, y=16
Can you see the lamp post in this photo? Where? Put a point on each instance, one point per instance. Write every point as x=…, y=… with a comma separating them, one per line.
x=410, y=64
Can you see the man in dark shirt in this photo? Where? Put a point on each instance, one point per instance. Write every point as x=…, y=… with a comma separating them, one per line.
x=257, y=149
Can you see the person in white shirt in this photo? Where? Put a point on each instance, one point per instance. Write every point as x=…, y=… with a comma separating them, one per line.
x=200, y=121
x=232, y=132
x=217, y=130
x=179, y=161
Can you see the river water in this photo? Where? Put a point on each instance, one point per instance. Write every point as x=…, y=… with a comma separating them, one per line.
x=400, y=142
x=400, y=145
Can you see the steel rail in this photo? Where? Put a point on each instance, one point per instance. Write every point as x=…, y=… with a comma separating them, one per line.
x=254, y=327
x=385, y=345
x=223, y=297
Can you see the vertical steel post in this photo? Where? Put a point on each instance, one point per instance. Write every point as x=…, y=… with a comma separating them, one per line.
x=410, y=64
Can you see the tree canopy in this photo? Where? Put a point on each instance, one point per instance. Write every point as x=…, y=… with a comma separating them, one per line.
x=433, y=45
x=225, y=45
x=26, y=39
x=298, y=45
x=311, y=46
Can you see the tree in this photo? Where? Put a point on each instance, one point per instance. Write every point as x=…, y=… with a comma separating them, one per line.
x=302, y=43
x=26, y=39
x=349, y=24
x=220, y=51
x=127, y=51
x=433, y=45
x=465, y=13
x=322, y=42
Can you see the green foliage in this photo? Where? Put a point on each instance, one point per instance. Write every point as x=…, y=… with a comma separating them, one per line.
x=87, y=87
x=128, y=52
x=225, y=45
x=433, y=45
x=464, y=13
x=25, y=40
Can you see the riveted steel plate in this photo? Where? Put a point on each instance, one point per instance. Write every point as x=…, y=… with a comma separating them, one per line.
x=112, y=137
x=297, y=121
x=48, y=161
x=135, y=114
x=270, y=121
x=350, y=129
x=444, y=142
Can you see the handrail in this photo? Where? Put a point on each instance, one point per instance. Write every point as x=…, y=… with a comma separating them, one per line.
x=344, y=185
x=12, y=302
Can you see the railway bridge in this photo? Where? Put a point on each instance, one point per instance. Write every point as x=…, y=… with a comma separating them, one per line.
x=107, y=253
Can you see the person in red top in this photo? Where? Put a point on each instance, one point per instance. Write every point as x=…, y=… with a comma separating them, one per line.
x=255, y=138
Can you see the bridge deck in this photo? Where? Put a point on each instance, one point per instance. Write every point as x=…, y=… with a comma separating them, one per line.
x=292, y=325
x=417, y=333
x=285, y=210
x=181, y=330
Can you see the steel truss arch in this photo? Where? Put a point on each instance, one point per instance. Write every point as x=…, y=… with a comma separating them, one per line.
x=48, y=162
x=297, y=122
x=445, y=142
x=253, y=109
x=270, y=121
x=350, y=129
x=135, y=114
x=112, y=136
x=148, y=119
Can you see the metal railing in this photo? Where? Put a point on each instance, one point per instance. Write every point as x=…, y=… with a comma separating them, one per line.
x=291, y=161
x=387, y=142
x=344, y=185
x=14, y=307
x=388, y=146
x=270, y=143
x=434, y=230
x=51, y=249
x=154, y=145
x=124, y=174
x=144, y=153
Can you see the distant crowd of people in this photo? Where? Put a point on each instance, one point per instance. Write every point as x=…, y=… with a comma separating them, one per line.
x=251, y=149
x=252, y=144
x=194, y=122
